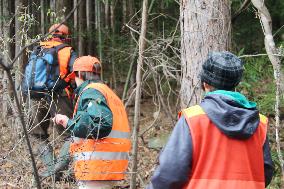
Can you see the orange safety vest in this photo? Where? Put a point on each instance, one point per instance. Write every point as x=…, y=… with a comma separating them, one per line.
x=221, y=162
x=63, y=57
x=106, y=158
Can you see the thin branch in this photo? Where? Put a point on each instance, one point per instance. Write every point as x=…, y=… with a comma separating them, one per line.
x=257, y=55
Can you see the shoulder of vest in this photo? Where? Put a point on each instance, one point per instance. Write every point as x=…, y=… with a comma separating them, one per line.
x=97, y=86
x=263, y=119
x=193, y=111
x=94, y=85
x=50, y=43
x=66, y=50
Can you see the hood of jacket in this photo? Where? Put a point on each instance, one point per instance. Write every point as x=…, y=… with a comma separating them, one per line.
x=232, y=113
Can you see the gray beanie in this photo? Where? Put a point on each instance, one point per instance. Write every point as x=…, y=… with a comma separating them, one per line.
x=222, y=70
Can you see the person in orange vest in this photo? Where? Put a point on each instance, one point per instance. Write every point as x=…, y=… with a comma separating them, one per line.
x=42, y=109
x=221, y=143
x=99, y=128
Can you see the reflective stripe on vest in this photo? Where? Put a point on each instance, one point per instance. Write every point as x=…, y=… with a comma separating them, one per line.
x=100, y=156
x=222, y=162
x=63, y=57
x=106, y=158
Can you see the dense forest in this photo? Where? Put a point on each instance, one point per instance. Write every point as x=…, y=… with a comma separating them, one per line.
x=151, y=61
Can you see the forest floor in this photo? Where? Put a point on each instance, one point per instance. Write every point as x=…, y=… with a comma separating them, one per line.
x=16, y=170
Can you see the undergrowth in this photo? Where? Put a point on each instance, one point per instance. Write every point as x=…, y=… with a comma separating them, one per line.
x=258, y=85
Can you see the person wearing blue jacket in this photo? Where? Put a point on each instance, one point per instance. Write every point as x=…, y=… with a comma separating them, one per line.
x=222, y=142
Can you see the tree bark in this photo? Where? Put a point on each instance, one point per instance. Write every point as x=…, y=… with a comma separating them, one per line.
x=142, y=45
x=106, y=14
x=75, y=22
x=112, y=21
x=7, y=52
x=90, y=29
x=19, y=40
x=112, y=3
x=42, y=17
x=1, y=16
x=124, y=12
x=205, y=27
x=82, y=27
x=99, y=32
x=52, y=5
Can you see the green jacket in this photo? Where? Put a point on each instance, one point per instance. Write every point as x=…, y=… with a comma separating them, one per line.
x=93, y=118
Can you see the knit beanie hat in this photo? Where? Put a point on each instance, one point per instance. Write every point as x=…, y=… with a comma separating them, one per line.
x=222, y=70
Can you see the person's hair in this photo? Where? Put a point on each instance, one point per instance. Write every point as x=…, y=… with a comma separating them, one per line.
x=213, y=88
x=87, y=75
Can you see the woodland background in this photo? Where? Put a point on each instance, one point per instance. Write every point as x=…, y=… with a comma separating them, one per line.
x=113, y=31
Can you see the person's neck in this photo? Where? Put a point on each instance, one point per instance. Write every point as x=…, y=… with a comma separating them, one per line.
x=56, y=39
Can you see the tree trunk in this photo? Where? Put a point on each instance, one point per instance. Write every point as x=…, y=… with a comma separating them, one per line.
x=52, y=5
x=1, y=16
x=205, y=27
x=19, y=39
x=82, y=26
x=106, y=14
x=112, y=3
x=112, y=21
x=142, y=45
x=7, y=57
x=75, y=21
x=90, y=28
x=124, y=12
x=99, y=31
x=131, y=12
x=42, y=16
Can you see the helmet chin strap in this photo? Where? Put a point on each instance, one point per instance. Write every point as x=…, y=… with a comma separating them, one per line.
x=80, y=76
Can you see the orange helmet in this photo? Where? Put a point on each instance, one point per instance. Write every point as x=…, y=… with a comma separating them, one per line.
x=87, y=64
x=61, y=30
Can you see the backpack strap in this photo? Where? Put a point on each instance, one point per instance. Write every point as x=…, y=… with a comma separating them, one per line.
x=61, y=46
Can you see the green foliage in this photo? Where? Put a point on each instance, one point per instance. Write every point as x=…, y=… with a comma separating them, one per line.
x=257, y=83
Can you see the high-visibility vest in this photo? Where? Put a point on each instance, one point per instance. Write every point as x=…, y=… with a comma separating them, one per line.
x=220, y=162
x=106, y=158
x=63, y=57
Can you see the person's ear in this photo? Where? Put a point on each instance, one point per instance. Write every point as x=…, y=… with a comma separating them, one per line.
x=207, y=87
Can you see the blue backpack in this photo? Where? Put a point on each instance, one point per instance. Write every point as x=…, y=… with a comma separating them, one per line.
x=42, y=72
